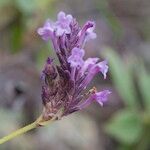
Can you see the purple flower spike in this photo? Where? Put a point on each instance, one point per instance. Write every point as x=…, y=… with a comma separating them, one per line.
x=64, y=85
x=76, y=57
x=102, y=96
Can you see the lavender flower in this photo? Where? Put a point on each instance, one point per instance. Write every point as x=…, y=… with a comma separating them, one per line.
x=60, y=27
x=90, y=34
x=87, y=33
x=47, y=30
x=76, y=57
x=99, y=97
x=63, y=24
x=64, y=85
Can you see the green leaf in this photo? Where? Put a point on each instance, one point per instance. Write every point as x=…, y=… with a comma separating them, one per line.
x=16, y=37
x=126, y=127
x=5, y=2
x=26, y=6
x=30, y=6
x=112, y=20
x=122, y=78
x=144, y=85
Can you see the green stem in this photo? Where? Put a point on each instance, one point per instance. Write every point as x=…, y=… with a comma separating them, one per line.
x=18, y=132
x=39, y=122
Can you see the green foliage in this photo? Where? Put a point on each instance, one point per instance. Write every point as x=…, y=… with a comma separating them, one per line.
x=4, y=2
x=144, y=85
x=26, y=6
x=126, y=127
x=30, y=6
x=130, y=126
x=22, y=17
x=16, y=37
x=122, y=78
x=111, y=19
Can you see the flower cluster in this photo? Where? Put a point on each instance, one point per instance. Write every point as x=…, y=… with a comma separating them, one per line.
x=64, y=86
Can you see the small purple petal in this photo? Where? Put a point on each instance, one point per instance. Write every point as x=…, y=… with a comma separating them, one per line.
x=86, y=33
x=88, y=64
x=90, y=34
x=60, y=31
x=63, y=24
x=101, y=97
x=61, y=15
x=46, y=31
x=76, y=58
x=93, y=69
x=103, y=67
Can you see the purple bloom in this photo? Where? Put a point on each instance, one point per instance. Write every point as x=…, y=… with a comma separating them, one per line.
x=76, y=57
x=63, y=24
x=87, y=33
x=63, y=85
x=88, y=64
x=90, y=34
x=92, y=70
x=47, y=30
x=98, y=67
x=101, y=97
x=103, y=68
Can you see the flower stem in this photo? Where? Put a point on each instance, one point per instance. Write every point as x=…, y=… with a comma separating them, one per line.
x=38, y=123
x=18, y=132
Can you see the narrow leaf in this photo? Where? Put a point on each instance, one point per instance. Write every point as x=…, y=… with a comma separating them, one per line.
x=122, y=78
x=126, y=127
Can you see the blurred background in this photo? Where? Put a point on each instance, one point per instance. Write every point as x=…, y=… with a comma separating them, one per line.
x=123, y=37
